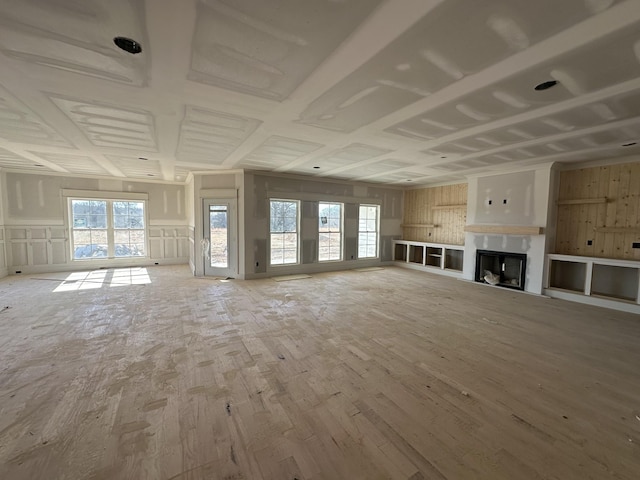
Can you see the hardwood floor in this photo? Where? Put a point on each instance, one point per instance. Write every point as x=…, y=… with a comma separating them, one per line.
x=389, y=374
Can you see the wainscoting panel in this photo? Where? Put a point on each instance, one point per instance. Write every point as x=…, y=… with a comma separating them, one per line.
x=39, y=249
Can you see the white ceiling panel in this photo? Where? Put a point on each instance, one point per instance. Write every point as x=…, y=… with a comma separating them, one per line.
x=278, y=151
x=136, y=167
x=370, y=90
x=20, y=124
x=209, y=137
x=78, y=164
x=578, y=73
x=11, y=160
x=110, y=126
x=438, y=50
x=342, y=157
x=377, y=168
x=75, y=36
x=269, y=48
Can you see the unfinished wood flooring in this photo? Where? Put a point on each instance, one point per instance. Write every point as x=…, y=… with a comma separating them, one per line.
x=389, y=374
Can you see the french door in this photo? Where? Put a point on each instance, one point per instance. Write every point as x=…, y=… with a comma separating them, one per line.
x=220, y=235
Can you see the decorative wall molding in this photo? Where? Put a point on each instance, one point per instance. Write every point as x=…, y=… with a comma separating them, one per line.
x=44, y=248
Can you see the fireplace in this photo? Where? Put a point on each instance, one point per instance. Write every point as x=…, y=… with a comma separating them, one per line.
x=501, y=269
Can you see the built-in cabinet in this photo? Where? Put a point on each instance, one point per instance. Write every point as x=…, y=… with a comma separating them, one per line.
x=597, y=281
x=432, y=257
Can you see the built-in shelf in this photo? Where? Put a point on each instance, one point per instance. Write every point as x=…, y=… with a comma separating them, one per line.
x=449, y=207
x=583, y=201
x=617, y=229
x=418, y=225
x=504, y=229
x=431, y=257
x=597, y=281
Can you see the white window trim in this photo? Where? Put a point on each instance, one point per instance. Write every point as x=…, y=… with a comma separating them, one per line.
x=298, y=233
x=113, y=197
x=341, y=259
x=377, y=230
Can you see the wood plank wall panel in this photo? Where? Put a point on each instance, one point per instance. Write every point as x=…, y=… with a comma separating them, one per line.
x=449, y=223
x=578, y=223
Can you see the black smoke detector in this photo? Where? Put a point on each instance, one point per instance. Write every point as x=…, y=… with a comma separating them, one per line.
x=128, y=45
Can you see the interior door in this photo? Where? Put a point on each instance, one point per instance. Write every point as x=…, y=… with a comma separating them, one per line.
x=220, y=235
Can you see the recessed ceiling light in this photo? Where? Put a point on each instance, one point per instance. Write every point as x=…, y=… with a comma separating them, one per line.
x=127, y=44
x=545, y=85
x=629, y=144
x=178, y=177
x=316, y=167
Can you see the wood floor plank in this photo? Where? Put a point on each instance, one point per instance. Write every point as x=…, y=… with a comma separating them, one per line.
x=398, y=375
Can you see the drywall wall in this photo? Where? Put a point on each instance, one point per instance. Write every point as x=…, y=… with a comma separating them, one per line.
x=602, y=216
x=511, y=199
x=33, y=198
x=3, y=252
x=191, y=222
x=37, y=233
x=443, y=207
x=260, y=187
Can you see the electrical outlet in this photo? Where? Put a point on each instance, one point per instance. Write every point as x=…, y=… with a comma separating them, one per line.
x=504, y=202
x=257, y=264
x=490, y=202
x=635, y=245
x=589, y=242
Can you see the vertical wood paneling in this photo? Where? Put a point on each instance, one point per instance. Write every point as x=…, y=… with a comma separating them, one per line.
x=579, y=223
x=449, y=223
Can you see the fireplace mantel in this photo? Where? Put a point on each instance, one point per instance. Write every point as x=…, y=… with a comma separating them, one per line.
x=504, y=229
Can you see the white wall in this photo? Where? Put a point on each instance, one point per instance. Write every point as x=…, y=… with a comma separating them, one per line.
x=191, y=221
x=260, y=187
x=3, y=253
x=527, y=194
x=37, y=236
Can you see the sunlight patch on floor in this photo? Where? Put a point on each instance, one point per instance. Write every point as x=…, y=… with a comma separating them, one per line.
x=119, y=277
x=82, y=281
x=129, y=276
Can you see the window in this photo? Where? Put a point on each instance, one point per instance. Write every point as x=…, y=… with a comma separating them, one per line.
x=284, y=232
x=107, y=229
x=368, y=231
x=330, y=229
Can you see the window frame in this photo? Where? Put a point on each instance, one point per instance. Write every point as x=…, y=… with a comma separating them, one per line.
x=111, y=230
x=297, y=233
x=341, y=231
x=377, y=230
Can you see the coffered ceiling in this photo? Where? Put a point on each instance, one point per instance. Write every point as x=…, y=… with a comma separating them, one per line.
x=386, y=91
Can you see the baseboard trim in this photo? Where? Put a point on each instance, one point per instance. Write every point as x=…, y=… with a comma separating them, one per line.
x=84, y=266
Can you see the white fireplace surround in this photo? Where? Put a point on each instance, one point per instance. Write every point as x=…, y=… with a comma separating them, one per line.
x=512, y=213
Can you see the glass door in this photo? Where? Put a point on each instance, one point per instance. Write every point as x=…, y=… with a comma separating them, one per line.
x=220, y=237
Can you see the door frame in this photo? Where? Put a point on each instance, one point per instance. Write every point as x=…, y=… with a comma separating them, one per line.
x=232, y=237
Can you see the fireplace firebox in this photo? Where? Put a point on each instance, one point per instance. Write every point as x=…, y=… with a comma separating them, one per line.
x=501, y=269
